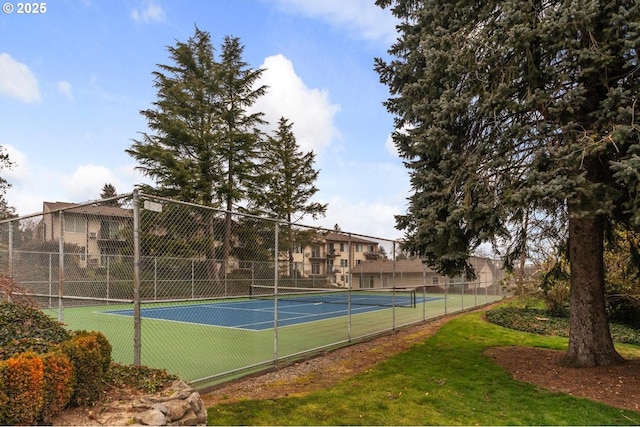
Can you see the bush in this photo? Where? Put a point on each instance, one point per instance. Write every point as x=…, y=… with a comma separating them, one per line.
x=23, y=378
x=24, y=328
x=4, y=399
x=545, y=322
x=623, y=305
x=58, y=384
x=90, y=355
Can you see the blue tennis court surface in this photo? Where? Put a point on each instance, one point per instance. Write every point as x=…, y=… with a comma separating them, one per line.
x=254, y=315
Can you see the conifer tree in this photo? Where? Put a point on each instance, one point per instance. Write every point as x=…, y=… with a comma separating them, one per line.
x=109, y=191
x=203, y=143
x=287, y=184
x=6, y=211
x=504, y=108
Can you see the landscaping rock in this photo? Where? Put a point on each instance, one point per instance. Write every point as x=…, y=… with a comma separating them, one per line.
x=183, y=407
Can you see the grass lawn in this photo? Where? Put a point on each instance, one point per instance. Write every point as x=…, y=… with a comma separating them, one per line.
x=446, y=380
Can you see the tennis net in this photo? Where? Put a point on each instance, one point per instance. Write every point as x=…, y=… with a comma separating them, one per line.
x=399, y=297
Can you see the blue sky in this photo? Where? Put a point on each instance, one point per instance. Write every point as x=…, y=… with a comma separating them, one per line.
x=74, y=79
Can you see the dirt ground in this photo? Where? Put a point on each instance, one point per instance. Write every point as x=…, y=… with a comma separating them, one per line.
x=618, y=386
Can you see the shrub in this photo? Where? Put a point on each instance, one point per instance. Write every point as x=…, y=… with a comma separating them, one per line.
x=23, y=378
x=90, y=355
x=4, y=399
x=24, y=328
x=58, y=384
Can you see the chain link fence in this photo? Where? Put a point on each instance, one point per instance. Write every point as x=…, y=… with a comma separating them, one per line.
x=210, y=295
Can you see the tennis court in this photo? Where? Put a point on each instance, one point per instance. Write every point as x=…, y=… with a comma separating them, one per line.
x=292, y=308
x=209, y=341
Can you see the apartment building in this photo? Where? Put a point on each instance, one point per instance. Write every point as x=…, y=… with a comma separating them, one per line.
x=96, y=230
x=332, y=255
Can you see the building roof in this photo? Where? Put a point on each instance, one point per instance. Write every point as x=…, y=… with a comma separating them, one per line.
x=332, y=236
x=89, y=209
x=404, y=266
x=388, y=266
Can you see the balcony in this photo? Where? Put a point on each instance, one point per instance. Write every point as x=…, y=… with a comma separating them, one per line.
x=371, y=256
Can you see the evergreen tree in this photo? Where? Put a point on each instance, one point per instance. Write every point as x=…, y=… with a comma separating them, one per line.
x=6, y=211
x=204, y=143
x=287, y=179
x=509, y=107
x=108, y=192
x=287, y=184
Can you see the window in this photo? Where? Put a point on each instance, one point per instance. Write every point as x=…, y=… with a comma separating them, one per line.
x=315, y=268
x=315, y=252
x=435, y=280
x=297, y=249
x=358, y=247
x=366, y=282
x=75, y=224
x=109, y=230
x=341, y=247
x=344, y=263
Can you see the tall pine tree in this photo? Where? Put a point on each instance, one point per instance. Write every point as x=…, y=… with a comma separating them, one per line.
x=203, y=143
x=506, y=106
x=287, y=185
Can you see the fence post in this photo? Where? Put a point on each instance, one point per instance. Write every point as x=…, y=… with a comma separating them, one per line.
x=137, y=327
x=10, y=266
x=50, y=280
x=393, y=279
x=61, y=268
x=275, y=294
x=351, y=255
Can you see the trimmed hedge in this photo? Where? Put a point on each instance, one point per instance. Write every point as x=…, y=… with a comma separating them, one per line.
x=44, y=368
x=23, y=378
x=58, y=384
x=90, y=355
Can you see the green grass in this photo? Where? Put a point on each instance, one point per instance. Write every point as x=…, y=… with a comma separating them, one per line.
x=446, y=380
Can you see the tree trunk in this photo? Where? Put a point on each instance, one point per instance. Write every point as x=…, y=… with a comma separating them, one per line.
x=590, y=342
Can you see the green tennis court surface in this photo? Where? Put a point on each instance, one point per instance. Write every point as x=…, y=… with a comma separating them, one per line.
x=237, y=336
x=260, y=314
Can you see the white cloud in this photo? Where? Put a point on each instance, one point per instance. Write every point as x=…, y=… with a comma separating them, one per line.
x=150, y=11
x=310, y=110
x=86, y=182
x=17, y=81
x=64, y=87
x=360, y=17
x=369, y=219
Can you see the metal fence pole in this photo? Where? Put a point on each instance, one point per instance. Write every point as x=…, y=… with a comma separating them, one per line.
x=10, y=266
x=50, y=280
x=61, y=267
x=275, y=295
x=393, y=278
x=137, y=327
x=108, y=278
x=446, y=290
x=350, y=261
